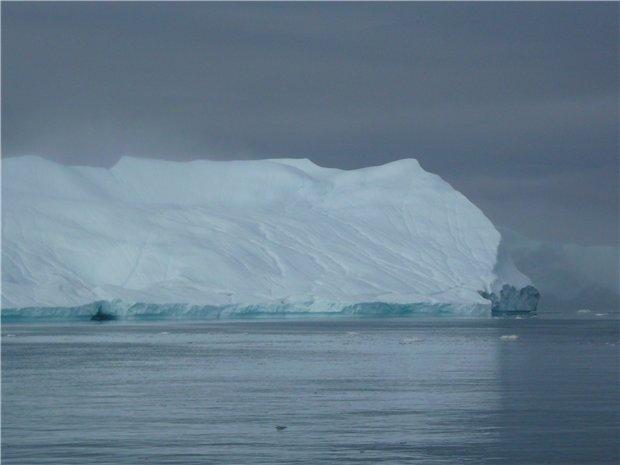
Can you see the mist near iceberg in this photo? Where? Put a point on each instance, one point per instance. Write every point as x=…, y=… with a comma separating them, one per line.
x=569, y=276
x=205, y=239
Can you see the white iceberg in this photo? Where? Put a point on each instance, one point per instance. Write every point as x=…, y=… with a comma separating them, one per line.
x=149, y=237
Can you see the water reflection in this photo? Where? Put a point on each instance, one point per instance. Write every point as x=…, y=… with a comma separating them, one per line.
x=559, y=393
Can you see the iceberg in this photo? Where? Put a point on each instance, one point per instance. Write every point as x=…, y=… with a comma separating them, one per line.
x=225, y=239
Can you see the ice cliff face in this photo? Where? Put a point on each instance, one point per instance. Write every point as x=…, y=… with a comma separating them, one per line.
x=282, y=233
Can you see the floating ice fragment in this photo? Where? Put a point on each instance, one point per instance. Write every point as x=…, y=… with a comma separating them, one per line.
x=509, y=337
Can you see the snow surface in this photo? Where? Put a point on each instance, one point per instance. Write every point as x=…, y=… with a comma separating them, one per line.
x=281, y=233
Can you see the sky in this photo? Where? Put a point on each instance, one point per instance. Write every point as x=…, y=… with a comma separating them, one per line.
x=514, y=104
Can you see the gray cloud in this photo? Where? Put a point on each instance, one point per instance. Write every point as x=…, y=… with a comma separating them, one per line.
x=515, y=104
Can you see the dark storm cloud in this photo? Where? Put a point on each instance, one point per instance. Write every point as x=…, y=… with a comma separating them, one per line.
x=515, y=104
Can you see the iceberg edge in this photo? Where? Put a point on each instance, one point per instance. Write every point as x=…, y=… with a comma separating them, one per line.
x=140, y=311
x=512, y=300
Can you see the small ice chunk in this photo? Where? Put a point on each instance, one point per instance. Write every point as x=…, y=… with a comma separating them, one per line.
x=509, y=337
x=409, y=340
x=584, y=310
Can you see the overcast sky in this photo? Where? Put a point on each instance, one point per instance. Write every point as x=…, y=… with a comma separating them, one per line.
x=515, y=104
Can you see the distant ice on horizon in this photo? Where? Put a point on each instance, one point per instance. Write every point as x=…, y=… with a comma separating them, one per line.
x=569, y=276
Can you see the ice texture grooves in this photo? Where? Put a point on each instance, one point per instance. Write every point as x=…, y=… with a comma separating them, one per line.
x=264, y=236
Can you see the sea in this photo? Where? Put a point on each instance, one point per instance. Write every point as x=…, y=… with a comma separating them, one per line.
x=322, y=391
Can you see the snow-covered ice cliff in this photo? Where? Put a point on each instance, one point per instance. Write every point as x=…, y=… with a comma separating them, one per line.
x=243, y=236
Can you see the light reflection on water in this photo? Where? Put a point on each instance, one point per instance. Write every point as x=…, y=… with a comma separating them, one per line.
x=365, y=391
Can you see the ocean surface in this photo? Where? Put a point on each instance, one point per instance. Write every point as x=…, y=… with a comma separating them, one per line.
x=391, y=391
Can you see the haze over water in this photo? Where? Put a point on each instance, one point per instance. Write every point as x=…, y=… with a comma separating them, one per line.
x=407, y=390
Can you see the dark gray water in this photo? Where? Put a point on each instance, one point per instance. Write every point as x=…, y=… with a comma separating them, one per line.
x=429, y=391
